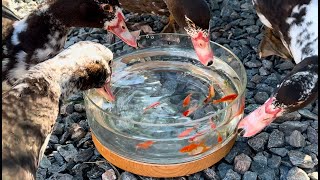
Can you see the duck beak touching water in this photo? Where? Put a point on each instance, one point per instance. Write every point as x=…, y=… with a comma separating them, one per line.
x=118, y=27
x=106, y=92
x=201, y=44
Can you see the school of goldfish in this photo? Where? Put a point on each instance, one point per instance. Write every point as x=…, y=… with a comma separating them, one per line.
x=197, y=144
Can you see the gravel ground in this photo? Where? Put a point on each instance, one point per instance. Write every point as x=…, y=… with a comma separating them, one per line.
x=287, y=149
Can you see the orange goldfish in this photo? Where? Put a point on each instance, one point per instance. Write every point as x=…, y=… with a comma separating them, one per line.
x=153, y=105
x=230, y=97
x=145, y=145
x=210, y=95
x=190, y=110
x=186, y=100
x=194, y=148
x=186, y=132
x=219, y=137
x=240, y=111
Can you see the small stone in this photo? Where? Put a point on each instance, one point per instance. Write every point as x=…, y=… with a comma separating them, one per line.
x=259, y=163
x=79, y=108
x=261, y=97
x=256, y=79
x=231, y=175
x=58, y=129
x=283, y=172
x=253, y=64
x=258, y=142
x=223, y=168
x=313, y=176
x=300, y=159
x=77, y=132
x=210, y=174
x=67, y=109
x=286, y=65
x=127, y=176
x=267, y=175
x=279, y=151
x=307, y=114
x=297, y=174
x=267, y=64
x=276, y=139
x=250, y=175
x=64, y=137
x=314, y=125
x=110, y=174
x=95, y=172
x=44, y=163
x=41, y=174
x=274, y=162
x=289, y=126
x=312, y=135
x=263, y=71
x=312, y=148
x=83, y=155
x=57, y=156
x=293, y=116
x=242, y=163
x=54, y=139
x=56, y=167
x=56, y=176
x=87, y=138
x=67, y=151
x=296, y=139
x=78, y=168
x=195, y=176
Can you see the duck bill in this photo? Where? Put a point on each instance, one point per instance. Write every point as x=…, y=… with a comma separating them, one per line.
x=106, y=92
x=203, y=50
x=119, y=28
x=257, y=120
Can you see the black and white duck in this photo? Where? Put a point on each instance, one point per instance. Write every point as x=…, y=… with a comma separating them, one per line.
x=30, y=107
x=296, y=23
x=42, y=34
x=192, y=16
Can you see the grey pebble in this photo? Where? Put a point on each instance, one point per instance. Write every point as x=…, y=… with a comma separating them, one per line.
x=58, y=129
x=300, y=159
x=231, y=175
x=293, y=116
x=67, y=109
x=259, y=163
x=67, y=151
x=242, y=163
x=286, y=65
x=312, y=135
x=312, y=148
x=267, y=64
x=250, y=175
x=223, y=168
x=77, y=132
x=268, y=174
x=261, y=97
x=308, y=114
x=79, y=108
x=274, y=162
x=276, y=139
x=56, y=167
x=211, y=174
x=313, y=176
x=127, y=176
x=60, y=176
x=289, y=126
x=296, y=139
x=83, y=155
x=296, y=173
x=258, y=142
x=279, y=151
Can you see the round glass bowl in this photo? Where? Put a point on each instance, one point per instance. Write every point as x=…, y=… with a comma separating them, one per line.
x=148, y=122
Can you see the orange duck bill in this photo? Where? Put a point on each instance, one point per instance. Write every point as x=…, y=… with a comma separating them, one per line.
x=201, y=44
x=257, y=120
x=118, y=27
x=105, y=91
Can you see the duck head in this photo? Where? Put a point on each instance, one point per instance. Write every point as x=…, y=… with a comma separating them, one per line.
x=105, y=14
x=298, y=89
x=194, y=17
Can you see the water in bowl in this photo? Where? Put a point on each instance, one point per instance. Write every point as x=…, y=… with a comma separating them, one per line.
x=162, y=133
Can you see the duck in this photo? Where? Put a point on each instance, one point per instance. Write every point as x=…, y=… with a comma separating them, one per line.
x=192, y=16
x=42, y=34
x=296, y=24
x=30, y=107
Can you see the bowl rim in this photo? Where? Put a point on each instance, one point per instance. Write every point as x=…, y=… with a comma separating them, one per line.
x=240, y=94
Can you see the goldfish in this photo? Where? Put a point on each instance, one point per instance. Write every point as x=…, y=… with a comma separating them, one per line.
x=212, y=124
x=240, y=111
x=186, y=100
x=210, y=95
x=145, y=145
x=186, y=132
x=153, y=105
x=190, y=110
x=230, y=97
x=194, y=148
x=219, y=139
x=198, y=136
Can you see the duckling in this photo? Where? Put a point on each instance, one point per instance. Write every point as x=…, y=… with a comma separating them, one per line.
x=42, y=34
x=30, y=107
x=192, y=16
x=296, y=22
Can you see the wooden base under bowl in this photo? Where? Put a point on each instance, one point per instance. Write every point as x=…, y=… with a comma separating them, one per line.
x=159, y=170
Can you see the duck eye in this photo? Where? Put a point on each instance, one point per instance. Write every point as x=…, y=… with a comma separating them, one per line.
x=110, y=63
x=107, y=7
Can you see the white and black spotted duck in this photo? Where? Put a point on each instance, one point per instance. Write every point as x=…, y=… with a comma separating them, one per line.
x=191, y=15
x=296, y=22
x=30, y=107
x=42, y=34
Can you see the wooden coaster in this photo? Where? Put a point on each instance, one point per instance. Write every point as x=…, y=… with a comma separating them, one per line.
x=159, y=170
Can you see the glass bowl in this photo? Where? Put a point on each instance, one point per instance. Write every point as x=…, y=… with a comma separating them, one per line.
x=149, y=122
